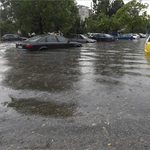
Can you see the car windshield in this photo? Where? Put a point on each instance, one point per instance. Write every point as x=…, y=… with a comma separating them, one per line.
x=33, y=39
x=85, y=37
x=107, y=35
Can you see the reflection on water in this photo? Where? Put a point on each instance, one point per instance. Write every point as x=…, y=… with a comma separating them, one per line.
x=52, y=71
x=90, y=66
x=147, y=56
x=35, y=107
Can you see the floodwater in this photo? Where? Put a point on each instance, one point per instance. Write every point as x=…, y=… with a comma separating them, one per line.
x=95, y=97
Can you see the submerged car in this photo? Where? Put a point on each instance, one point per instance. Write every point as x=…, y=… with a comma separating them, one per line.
x=142, y=35
x=147, y=45
x=101, y=37
x=45, y=42
x=13, y=37
x=136, y=37
x=81, y=38
x=127, y=36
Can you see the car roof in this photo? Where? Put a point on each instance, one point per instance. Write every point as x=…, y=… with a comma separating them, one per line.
x=10, y=34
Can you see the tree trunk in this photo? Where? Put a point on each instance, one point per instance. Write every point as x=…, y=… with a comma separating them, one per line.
x=41, y=26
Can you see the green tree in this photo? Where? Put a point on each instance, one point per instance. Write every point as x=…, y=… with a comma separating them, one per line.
x=115, y=6
x=108, y=7
x=101, y=6
x=79, y=27
x=43, y=16
x=129, y=15
x=100, y=24
x=7, y=24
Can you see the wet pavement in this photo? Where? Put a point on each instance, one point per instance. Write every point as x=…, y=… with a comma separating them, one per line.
x=95, y=97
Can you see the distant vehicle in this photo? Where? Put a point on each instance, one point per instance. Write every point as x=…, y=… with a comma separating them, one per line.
x=13, y=37
x=127, y=36
x=101, y=37
x=142, y=35
x=136, y=37
x=90, y=35
x=45, y=42
x=81, y=38
x=147, y=45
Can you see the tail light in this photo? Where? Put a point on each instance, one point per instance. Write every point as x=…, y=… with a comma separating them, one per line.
x=2, y=37
x=28, y=45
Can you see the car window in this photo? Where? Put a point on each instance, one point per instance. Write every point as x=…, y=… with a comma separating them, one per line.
x=16, y=36
x=62, y=39
x=84, y=37
x=100, y=35
x=9, y=36
x=107, y=35
x=34, y=38
x=81, y=37
x=43, y=40
x=51, y=39
x=96, y=35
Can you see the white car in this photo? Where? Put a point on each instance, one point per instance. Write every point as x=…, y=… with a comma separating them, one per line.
x=142, y=35
x=136, y=36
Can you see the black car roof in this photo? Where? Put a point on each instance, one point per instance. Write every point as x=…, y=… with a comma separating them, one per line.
x=10, y=34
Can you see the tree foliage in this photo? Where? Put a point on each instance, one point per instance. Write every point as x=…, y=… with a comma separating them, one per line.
x=115, y=15
x=129, y=15
x=108, y=7
x=42, y=16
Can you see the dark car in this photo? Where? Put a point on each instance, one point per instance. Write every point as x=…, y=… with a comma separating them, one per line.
x=127, y=36
x=101, y=37
x=45, y=42
x=81, y=38
x=13, y=37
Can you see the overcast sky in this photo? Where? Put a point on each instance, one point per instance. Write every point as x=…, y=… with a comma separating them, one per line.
x=88, y=3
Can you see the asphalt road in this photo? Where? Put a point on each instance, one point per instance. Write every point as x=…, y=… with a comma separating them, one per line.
x=95, y=97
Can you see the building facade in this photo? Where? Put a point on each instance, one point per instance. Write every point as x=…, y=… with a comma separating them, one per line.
x=84, y=12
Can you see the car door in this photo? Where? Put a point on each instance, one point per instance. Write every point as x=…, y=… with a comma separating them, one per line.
x=82, y=39
x=49, y=42
x=63, y=42
x=16, y=37
x=103, y=38
x=10, y=37
x=52, y=42
x=100, y=37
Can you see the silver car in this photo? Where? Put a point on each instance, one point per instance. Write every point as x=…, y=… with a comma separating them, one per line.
x=81, y=38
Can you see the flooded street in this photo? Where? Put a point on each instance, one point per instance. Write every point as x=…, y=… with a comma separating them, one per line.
x=94, y=97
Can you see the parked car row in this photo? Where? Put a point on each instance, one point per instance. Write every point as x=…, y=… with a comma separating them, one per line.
x=128, y=36
x=44, y=42
x=109, y=38
x=101, y=37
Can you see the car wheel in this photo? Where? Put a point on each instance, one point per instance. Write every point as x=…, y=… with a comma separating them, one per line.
x=43, y=48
